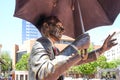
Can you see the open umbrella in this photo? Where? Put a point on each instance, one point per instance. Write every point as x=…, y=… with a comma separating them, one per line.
x=77, y=16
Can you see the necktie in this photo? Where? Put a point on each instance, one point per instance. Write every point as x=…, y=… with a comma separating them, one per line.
x=55, y=51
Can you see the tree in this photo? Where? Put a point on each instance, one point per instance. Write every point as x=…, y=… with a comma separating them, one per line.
x=112, y=64
x=22, y=64
x=102, y=63
x=117, y=61
x=88, y=69
x=8, y=62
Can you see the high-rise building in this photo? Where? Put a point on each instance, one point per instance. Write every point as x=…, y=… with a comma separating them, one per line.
x=29, y=31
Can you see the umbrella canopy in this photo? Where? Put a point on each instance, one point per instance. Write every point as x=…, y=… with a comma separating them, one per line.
x=77, y=16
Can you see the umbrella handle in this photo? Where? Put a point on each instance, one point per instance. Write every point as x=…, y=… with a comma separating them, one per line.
x=84, y=54
x=81, y=19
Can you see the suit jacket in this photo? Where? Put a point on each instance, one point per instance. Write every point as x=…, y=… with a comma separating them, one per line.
x=43, y=61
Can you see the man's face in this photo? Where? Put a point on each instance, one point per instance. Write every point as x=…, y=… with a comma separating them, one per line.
x=56, y=31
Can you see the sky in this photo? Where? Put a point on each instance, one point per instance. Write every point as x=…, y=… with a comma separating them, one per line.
x=10, y=27
x=100, y=33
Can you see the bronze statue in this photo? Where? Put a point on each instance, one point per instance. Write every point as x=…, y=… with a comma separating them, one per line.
x=47, y=63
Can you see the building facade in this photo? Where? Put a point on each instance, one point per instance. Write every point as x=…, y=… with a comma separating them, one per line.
x=29, y=31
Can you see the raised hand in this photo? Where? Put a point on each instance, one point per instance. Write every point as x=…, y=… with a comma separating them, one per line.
x=108, y=43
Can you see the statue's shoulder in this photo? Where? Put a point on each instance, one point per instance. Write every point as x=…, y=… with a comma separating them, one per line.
x=47, y=45
x=43, y=40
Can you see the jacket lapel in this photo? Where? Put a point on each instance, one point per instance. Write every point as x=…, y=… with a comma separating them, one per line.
x=48, y=46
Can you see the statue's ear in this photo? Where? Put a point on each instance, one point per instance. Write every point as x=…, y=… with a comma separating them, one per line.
x=45, y=29
x=45, y=25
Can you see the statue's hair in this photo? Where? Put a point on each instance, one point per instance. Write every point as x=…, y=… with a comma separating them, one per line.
x=49, y=20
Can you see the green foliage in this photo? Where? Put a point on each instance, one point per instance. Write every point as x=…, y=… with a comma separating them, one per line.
x=112, y=65
x=8, y=61
x=88, y=68
x=74, y=69
x=102, y=62
x=101, y=58
x=117, y=61
x=22, y=64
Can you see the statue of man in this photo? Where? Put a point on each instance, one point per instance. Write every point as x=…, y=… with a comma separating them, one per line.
x=46, y=62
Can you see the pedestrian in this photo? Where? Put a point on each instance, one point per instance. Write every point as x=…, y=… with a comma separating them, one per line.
x=10, y=77
x=46, y=62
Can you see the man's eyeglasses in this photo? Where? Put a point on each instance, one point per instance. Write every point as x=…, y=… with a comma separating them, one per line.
x=60, y=27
